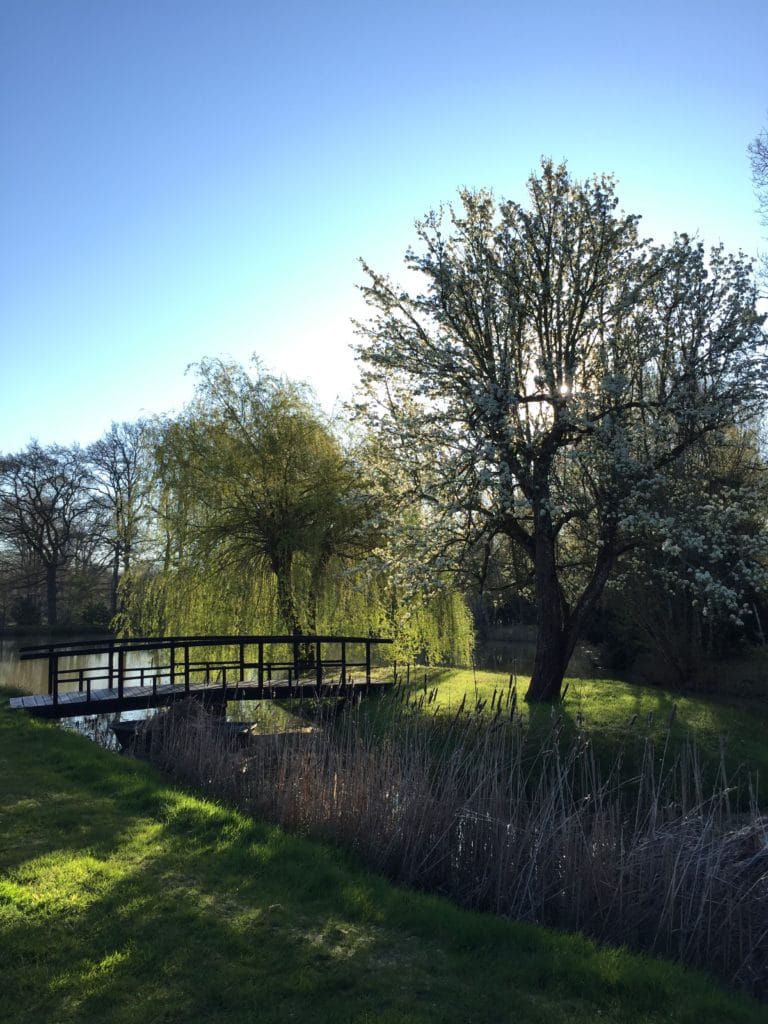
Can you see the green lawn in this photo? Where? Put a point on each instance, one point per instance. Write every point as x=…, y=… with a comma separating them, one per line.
x=615, y=712
x=124, y=899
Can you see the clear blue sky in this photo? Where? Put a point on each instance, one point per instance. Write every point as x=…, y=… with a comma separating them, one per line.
x=189, y=178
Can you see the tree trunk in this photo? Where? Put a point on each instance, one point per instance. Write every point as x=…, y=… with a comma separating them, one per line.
x=555, y=639
x=123, y=582
x=51, y=593
x=554, y=647
x=558, y=626
x=115, y=581
x=281, y=566
x=554, y=643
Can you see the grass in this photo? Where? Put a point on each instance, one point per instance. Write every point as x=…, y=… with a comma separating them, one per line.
x=523, y=822
x=125, y=899
x=622, y=713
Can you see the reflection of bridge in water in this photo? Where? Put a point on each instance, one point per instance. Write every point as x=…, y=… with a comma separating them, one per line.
x=215, y=669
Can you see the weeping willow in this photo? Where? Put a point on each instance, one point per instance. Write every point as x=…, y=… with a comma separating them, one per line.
x=202, y=600
x=265, y=525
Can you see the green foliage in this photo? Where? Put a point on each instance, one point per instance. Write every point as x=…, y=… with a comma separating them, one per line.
x=692, y=586
x=266, y=524
x=435, y=631
x=26, y=612
x=253, y=479
x=96, y=613
x=188, y=600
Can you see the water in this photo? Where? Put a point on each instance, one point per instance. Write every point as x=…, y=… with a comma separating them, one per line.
x=29, y=676
x=32, y=677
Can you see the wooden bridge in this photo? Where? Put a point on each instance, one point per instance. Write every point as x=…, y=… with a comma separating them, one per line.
x=149, y=672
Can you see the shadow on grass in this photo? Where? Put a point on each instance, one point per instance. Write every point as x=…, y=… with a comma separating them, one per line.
x=140, y=902
x=262, y=925
x=621, y=717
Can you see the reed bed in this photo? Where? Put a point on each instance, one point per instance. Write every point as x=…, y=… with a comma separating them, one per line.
x=465, y=807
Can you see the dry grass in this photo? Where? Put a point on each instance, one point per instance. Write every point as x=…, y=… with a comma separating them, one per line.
x=460, y=806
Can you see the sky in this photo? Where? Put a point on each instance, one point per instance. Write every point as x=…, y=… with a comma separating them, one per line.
x=182, y=179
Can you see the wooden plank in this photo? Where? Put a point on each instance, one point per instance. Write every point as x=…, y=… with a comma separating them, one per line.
x=105, y=700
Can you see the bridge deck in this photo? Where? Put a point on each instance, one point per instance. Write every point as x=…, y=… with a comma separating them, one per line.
x=135, y=698
x=214, y=669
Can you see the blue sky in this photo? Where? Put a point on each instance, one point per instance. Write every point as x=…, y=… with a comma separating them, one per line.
x=190, y=178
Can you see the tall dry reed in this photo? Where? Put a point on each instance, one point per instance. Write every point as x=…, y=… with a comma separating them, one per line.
x=463, y=807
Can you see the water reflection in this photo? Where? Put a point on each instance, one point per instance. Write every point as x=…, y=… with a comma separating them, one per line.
x=29, y=676
x=32, y=677
x=94, y=727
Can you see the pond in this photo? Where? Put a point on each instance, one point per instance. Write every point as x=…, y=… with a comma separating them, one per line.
x=32, y=677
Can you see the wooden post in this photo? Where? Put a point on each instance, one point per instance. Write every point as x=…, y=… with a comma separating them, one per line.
x=120, y=672
x=304, y=650
x=295, y=655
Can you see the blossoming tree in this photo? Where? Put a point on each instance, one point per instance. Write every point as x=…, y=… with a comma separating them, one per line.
x=548, y=377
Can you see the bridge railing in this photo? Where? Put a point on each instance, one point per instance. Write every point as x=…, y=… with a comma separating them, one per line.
x=181, y=661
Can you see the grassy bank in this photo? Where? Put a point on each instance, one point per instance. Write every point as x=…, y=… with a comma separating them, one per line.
x=124, y=899
x=729, y=728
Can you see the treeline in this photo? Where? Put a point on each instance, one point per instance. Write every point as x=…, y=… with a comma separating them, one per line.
x=560, y=426
x=70, y=520
x=248, y=512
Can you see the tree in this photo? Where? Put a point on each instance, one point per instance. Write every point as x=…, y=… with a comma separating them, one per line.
x=47, y=511
x=257, y=480
x=547, y=380
x=758, y=154
x=693, y=594
x=119, y=483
